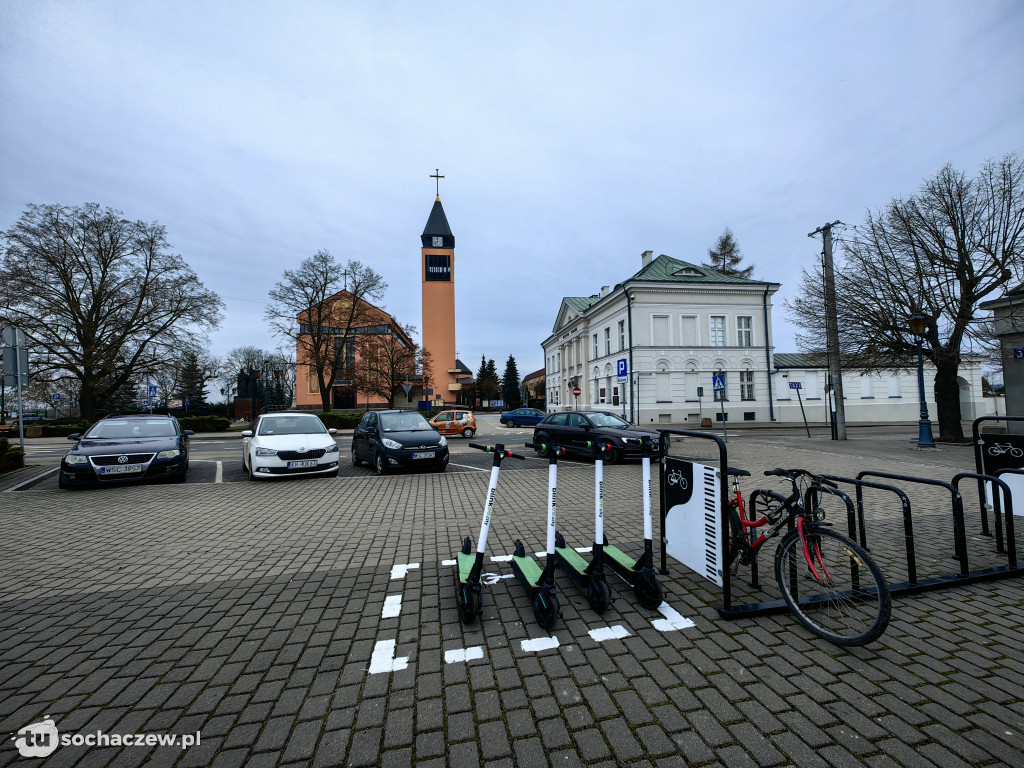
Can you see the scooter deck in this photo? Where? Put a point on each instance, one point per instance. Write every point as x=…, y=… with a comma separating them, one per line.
x=567, y=556
x=465, y=563
x=527, y=571
x=621, y=563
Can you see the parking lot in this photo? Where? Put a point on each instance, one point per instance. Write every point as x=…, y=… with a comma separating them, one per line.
x=314, y=621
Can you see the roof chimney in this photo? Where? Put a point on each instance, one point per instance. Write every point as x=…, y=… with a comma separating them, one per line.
x=645, y=258
x=604, y=291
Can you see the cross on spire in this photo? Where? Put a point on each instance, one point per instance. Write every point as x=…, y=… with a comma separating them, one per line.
x=436, y=175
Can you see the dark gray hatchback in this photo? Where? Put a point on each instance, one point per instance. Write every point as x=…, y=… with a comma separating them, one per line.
x=576, y=428
x=398, y=440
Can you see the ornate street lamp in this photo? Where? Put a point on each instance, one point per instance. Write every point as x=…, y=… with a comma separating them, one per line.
x=919, y=323
x=255, y=373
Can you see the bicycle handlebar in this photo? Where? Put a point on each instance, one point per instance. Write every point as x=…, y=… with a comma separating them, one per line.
x=793, y=474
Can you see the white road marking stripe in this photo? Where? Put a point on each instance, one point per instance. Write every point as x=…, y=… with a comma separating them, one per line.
x=609, y=633
x=383, y=659
x=584, y=549
x=392, y=606
x=448, y=562
x=466, y=466
x=463, y=654
x=220, y=473
x=500, y=558
x=673, y=619
x=400, y=571
x=32, y=480
x=540, y=644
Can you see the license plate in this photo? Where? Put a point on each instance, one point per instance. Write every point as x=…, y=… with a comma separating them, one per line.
x=121, y=469
x=423, y=455
x=300, y=464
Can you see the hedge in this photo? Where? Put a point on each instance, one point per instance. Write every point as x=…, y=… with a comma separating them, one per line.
x=11, y=456
x=204, y=423
x=340, y=420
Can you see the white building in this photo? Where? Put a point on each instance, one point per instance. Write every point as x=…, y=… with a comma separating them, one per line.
x=673, y=327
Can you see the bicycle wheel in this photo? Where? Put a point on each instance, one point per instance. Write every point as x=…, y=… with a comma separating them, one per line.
x=848, y=601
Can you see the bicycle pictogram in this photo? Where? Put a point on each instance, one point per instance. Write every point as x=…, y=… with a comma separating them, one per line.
x=1000, y=448
x=675, y=477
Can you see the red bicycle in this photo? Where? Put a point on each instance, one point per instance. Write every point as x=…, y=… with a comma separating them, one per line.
x=831, y=583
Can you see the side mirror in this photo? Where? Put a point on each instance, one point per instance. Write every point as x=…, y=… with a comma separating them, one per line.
x=586, y=427
x=247, y=433
x=187, y=432
x=332, y=431
x=75, y=436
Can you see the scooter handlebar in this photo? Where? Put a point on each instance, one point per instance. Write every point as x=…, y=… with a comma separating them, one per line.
x=484, y=448
x=491, y=449
x=546, y=447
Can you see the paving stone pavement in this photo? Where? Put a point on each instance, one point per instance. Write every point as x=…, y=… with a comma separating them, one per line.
x=253, y=614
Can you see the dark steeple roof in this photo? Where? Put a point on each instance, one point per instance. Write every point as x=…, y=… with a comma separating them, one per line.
x=437, y=224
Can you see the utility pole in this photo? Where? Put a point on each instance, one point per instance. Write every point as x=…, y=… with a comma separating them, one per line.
x=832, y=328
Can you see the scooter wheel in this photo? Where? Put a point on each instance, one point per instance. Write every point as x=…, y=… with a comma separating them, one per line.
x=546, y=610
x=648, y=591
x=469, y=605
x=599, y=594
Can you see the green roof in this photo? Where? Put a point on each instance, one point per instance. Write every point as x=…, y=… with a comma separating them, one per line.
x=582, y=303
x=666, y=269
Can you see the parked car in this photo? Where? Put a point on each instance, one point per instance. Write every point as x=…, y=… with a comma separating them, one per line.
x=289, y=444
x=398, y=440
x=521, y=417
x=455, y=423
x=117, y=449
x=575, y=428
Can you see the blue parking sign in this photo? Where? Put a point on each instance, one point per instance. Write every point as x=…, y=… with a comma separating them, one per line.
x=718, y=382
x=621, y=367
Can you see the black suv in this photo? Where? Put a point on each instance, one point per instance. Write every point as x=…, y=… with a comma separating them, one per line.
x=398, y=440
x=117, y=449
x=576, y=428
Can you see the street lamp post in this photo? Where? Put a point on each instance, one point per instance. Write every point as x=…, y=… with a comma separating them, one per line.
x=255, y=373
x=919, y=323
x=629, y=320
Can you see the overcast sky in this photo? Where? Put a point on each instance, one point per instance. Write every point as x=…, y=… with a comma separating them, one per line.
x=572, y=136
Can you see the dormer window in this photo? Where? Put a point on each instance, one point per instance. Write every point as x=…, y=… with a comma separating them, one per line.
x=690, y=272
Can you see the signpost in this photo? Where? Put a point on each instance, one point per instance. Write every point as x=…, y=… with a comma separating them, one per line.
x=798, y=386
x=700, y=404
x=622, y=371
x=718, y=384
x=576, y=392
x=16, y=367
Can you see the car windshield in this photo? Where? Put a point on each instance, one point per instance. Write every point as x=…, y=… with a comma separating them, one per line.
x=607, y=420
x=126, y=429
x=291, y=425
x=404, y=422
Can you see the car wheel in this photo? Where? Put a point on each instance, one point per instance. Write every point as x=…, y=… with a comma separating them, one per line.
x=60, y=480
x=252, y=475
x=511, y=424
x=467, y=432
x=609, y=457
x=381, y=465
x=356, y=461
x=334, y=473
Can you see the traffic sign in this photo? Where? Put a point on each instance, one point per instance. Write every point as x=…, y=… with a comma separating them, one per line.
x=621, y=367
x=14, y=336
x=56, y=397
x=795, y=385
x=718, y=382
x=576, y=391
x=152, y=390
x=187, y=403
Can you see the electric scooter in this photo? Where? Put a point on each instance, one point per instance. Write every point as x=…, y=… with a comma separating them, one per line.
x=540, y=583
x=640, y=574
x=589, y=576
x=468, y=565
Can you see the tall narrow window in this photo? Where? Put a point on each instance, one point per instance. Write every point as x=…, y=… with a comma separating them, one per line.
x=660, y=336
x=746, y=385
x=688, y=338
x=596, y=353
x=607, y=341
x=622, y=335
x=744, y=332
x=716, y=331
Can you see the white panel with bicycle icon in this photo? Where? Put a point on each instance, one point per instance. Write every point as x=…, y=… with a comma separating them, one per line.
x=693, y=530
x=1006, y=452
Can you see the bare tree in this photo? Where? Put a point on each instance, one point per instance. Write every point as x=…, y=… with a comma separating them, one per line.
x=387, y=360
x=101, y=298
x=939, y=252
x=725, y=257
x=321, y=307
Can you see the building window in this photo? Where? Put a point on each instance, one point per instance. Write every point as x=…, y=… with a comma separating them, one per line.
x=596, y=353
x=744, y=332
x=746, y=385
x=660, y=336
x=607, y=341
x=716, y=331
x=721, y=394
x=688, y=337
x=558, y=361
x=622, y=335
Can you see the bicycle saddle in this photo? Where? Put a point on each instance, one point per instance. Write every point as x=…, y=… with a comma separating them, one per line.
x=737, y=472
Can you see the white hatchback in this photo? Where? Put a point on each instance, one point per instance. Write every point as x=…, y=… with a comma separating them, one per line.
x=289, y=444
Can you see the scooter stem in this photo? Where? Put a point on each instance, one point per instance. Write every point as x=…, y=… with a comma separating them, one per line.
x=552, y=482
x=485, y=526
x=648, y=527
x=598, y=500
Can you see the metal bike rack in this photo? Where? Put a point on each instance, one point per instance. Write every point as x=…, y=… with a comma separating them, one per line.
x=1008, y=517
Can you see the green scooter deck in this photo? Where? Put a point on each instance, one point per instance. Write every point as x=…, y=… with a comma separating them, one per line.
x=465, y=565
x=619, y=558
x=528, y=568
x=572, y=558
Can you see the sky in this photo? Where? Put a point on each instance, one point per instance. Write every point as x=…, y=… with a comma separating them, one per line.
x=572, y=136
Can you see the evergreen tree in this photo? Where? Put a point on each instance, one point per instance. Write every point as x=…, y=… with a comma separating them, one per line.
x=191, y=379
x=487, y=380
x=726, y=257
x=510, y=385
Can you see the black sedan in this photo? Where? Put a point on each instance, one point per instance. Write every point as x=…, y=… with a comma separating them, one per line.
x=118, y=449
x=576, y=428
x=398, y=440
x=521, y=417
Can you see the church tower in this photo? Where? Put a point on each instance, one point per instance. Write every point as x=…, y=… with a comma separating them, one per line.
x=438, y=257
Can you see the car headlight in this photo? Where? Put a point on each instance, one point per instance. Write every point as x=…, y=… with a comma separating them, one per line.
x=443, y=442
x=168, y=454
x=632, y=441
x=392, y=444
x=72, y=458
x=266, y=452
x=332, y=448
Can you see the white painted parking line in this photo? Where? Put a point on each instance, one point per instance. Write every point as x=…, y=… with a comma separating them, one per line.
x=609, y=633
x=500, y=558
x=494, y=578
x=32, y=479
x=466, y=466
x=220, y=473
x=383, y=659
x=400, y=571
x=584, y=549
x=673, y=619
x=392, y=606
x=540, y=644
x=463, y=654
x=448, y=562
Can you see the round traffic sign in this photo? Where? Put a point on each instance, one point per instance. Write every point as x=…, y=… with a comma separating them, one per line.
x=576, y=391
